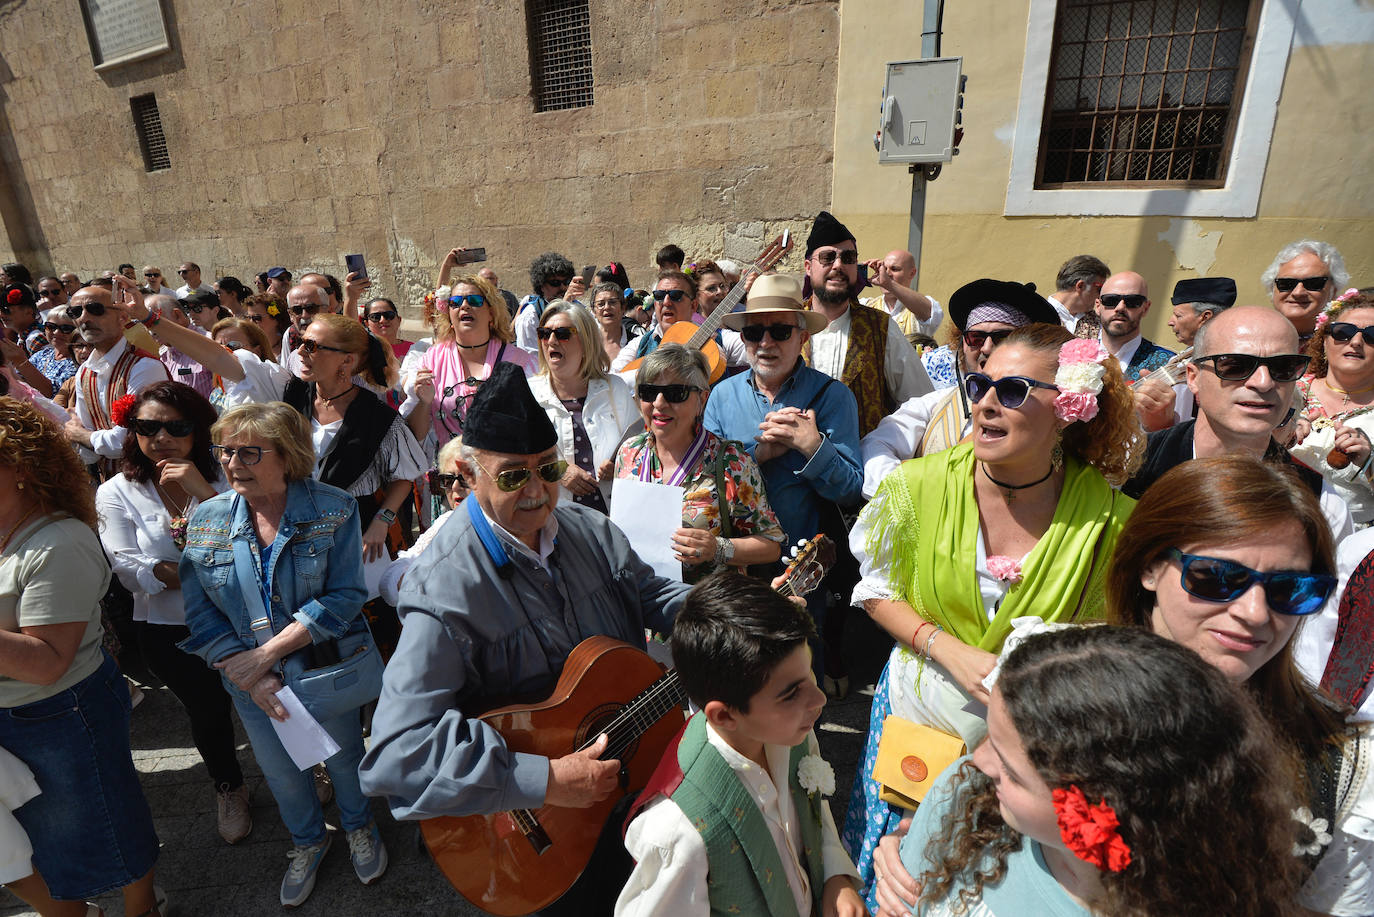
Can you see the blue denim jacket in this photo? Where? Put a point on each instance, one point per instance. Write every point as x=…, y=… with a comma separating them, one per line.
x=320, y=585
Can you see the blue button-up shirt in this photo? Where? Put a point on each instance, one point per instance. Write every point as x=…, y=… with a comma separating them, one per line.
x=796, y=486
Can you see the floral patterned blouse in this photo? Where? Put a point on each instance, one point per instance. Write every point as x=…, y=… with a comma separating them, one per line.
x=750, y=513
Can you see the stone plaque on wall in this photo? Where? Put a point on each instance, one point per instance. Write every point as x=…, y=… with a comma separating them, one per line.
x=122, y=31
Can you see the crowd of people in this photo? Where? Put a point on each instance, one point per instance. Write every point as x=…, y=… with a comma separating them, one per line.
x=1129, y=591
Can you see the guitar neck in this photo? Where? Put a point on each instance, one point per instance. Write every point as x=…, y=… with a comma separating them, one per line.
x=712, y=322
x=641, y=713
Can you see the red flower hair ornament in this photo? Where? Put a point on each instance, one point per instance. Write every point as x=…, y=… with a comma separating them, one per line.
x=14, y=297
x=119, y=411
x=1089, y=831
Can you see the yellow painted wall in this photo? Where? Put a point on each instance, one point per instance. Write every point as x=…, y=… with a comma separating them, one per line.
x=1316, y=184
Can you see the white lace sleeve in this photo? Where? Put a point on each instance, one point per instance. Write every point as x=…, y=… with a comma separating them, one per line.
x=1343, y=882
x=874, y=568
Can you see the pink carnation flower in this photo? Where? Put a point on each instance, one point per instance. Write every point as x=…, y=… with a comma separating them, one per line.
x=1081, y=350
x=1007, y=569
x=1073, y=406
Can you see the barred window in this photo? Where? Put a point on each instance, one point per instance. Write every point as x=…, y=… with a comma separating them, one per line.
x=1144, y=92
x=560, y=53
x=151, y=140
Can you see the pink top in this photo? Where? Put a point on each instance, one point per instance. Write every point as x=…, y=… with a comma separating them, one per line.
x=453, y=391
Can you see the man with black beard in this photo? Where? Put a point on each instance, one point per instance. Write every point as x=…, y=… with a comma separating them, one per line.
x=863, y=348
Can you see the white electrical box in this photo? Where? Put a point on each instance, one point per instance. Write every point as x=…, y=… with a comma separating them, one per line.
x=921, y=105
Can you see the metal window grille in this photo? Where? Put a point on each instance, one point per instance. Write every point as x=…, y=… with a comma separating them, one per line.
x=1144, y=91
x=151, y=141
x=560, y=54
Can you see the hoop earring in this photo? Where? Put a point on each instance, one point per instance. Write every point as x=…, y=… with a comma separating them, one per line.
x=1057, y=453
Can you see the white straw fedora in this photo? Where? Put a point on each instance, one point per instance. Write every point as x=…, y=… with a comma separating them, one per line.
x=773, y=294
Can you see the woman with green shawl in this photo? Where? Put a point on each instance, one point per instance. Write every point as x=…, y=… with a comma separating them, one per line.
x=1020, y=523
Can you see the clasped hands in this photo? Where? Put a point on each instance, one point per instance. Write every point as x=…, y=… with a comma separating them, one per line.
x=784, y=429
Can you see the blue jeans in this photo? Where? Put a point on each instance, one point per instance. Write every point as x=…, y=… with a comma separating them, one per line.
x=91, y=828
x=294, y=789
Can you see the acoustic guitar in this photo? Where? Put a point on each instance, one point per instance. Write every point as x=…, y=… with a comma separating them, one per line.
x=702, y=337
x=520, y=861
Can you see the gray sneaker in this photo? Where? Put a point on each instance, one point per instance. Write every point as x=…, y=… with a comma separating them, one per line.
x=368, y=852
x=300, y=875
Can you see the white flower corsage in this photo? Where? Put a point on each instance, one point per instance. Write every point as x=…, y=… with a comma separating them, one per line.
x=815, y=775
x=1315, y=837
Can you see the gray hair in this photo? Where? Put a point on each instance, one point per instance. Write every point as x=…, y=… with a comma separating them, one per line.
x=686, y=364
x=1215, y=308
x=321, y=293
x=1328, y=253
x=449, y=452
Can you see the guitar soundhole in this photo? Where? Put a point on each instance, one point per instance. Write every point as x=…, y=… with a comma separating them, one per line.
x=595, y=722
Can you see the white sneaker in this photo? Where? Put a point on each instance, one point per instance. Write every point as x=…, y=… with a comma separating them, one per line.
x=300, y=875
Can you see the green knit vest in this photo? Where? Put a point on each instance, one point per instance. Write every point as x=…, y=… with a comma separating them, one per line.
x=744, y=872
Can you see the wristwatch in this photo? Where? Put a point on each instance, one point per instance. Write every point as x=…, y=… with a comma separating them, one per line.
x=386, y=516
x=725, y=550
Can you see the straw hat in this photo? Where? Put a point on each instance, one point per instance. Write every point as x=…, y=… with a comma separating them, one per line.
x=770, y=296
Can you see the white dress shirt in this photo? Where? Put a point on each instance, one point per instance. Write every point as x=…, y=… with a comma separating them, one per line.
x=110, y=443
x=898, y=435
x=902, y=370
x=670, y=857
x=185, y=290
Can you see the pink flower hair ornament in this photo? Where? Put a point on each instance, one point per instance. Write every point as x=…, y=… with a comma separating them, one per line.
x=1079, y=379
x=1334, y=306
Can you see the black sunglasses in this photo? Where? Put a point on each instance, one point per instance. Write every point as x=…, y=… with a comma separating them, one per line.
x=1287, y=592
x=441, y=482
x=778, y=332
x=254, y=317
x=152, y=275
x=1237, y=367
x=50, y=293
x=674, y=295
x=561, y=334
x=675, y=393
x=310, y=346
x=1012, y=391
x=51, y=327
x=827, y=257
x=92, y=307
x=512, y=479
x=1344, y=333
x=1112, y=300
x=555, y=282
x=976, y=339
x=1310, y=284
x=384, y=316
x=151, y=428
x=304, y=310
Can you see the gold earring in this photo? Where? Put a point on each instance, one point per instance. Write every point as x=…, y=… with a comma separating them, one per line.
x=19, y=484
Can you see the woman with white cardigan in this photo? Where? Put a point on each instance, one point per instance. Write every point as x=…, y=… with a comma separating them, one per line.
x=590, y=408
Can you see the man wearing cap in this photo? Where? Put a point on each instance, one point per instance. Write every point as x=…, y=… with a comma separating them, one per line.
x=984, y=311
x=278, y=282
x=1196, y=300
x=492, y=608
x=863, y=348
x=800, y=425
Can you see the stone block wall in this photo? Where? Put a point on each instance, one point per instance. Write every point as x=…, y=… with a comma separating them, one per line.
x=302, y=130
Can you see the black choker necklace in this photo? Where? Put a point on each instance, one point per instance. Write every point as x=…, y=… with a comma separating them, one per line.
x=1010, y=489
x=328, y=399
x=474, y=346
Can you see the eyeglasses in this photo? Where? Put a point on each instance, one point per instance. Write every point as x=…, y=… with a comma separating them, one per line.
x=53, y=327
x=1112, y=300
x=232, y=346
x=1344, y=333
x=1310, y=284
x=254, y=317
x=151, y=428
x=1238, y=367
x=562, y=334
x=674, y=295
x=675, y=393
x=385, y=316
x=441, y=482
x=183, y=272
x=50, y=293
x=92, y=307
x=512, y=479
x=310, y=346
x=200, y=307
x=474, y=300
x=976, y=339
x=151, y=275
x=827, y=256
x=248, y=455
x=778, y=332
x=1287, y=592
x=298, y=311
x=556, y=282
x=1012, y=391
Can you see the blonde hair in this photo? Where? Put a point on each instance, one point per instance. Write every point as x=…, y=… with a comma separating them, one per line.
x=595, y=363
x=278, y=423
x=450, y=453
x=496, y=311
x=256, y=336
x=376, y=360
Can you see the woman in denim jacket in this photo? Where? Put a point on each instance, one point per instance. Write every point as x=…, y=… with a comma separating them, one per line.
x=305, y=537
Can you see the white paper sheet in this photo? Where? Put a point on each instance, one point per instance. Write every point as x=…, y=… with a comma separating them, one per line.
x=302, y=735
x=372, y=575
x=649, y=514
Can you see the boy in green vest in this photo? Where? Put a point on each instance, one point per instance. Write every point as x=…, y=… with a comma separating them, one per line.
x=734, y=820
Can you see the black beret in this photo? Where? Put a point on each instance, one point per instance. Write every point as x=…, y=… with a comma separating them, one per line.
x=1219, y=291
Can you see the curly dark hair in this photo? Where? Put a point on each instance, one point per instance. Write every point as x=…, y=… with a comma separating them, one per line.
x=192, y=406
x=1182, y=756
x=1316, y=348
x=1113, y=442
x=1218, y=501
x=548, y=265
x=44, y=462
x=266, y=303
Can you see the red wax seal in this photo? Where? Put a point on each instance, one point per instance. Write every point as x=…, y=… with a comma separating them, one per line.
x=1337, y=458
x=914, y=769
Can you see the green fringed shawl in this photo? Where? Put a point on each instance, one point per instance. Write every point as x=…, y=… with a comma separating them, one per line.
x=927, y=515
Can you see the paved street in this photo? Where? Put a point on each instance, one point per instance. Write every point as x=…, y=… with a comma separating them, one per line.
x=204, y=876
